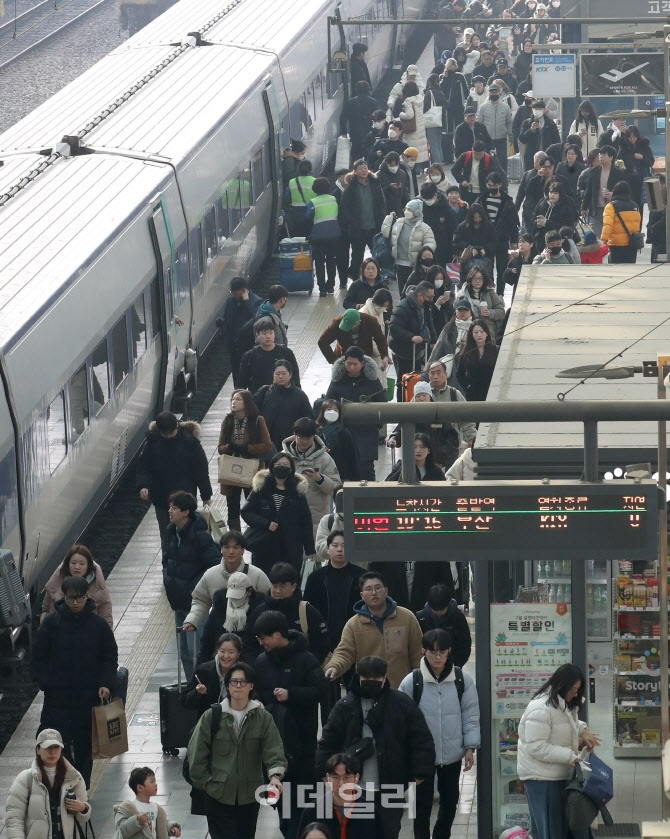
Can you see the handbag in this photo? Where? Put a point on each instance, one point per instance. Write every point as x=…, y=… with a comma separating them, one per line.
x=109, y=732
x=409, y=125
x=237, y=471
x=581, y=810
x=466, y=255
x=634, y=239
x=448, y=361
x=362, y=750
x=257, y=539
x=343, y=153
x=432, y=118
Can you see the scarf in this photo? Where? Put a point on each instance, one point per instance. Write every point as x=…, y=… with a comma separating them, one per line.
x=329, y=431
x=236, y=614
x=239, y=429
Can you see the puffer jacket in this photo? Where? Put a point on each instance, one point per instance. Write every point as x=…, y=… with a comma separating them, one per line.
x=28, y=814
x=368, y=308
x=497, y=119
x=126, y=821
x=613, y=232
x=421, y=236
x=548, y=740
x=97, y=590
x=190, y=552
x=216, y=578
x=316, y=457
x=453, y=620
x=589, y=134
x=396, y=90
x=453, y=724
x=412, y=107
x=230, y=767
x=593, y=254
x=280, y=407
x=410, y=319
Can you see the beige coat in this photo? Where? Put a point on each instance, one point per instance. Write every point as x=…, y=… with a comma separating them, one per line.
x=215, y=579
x=399, y=645
x=126, y=821
x=413, y=107
x=97, y=589
x=27, y=814
x=368, y=308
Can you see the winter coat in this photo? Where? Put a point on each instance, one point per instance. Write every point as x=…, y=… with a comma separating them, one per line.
x=317, y=631
x=368, y=308
x=433, y=473
x=396, y=90
x=215, y=579
x=280, y=407
x=562, y=214
x=476, y=375
x=453, y=724
x=214, y=628
x=237, y=312
x=396, y=198
x=381, y=148
x=410, y=319
x=176, y=463
x=453, y=620
x=462, y=170
x=206, y=673
x=320, y=593
x=506, y=223
x=325, y=528
x=262, y=446
x=516, y=263
x=495, y=303
x=296, y=670
x=613, y=232
x=266, y=311
x=523, y=112
x=535, y=192
x=455, y=89
x=589, y=134
x=548, y=740
x=497, y=119
x=403, y=743
x=188, y=555
x=370, y=337
x=426, y=574
x=357, y=113
x=126, y=822
x=350, y=208
x=536, y=139
x=231, y=767
x=636, y=168
x=294, y=534
x=464, y=468
x=420, y=237
x=363, y=388
x=28, y=811
x=316, y=457
x=359, y=73
x=465, y=137
x=257, y=366
x=571, y=176
x=475, y=99
x=412, y=108
x=435, y=95
x=360, y=291
x=73, y=656
x=97, y=591
x=341, y=447
x=398, y=642
x=590, y=197
x=593, y=254
x=442, y=222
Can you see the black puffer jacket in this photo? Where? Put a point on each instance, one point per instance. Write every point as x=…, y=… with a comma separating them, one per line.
x=562, y=214
x=507, y=220
x=396, y=198
x=323, y=592
x=186, y=560
x=426, y=575
x=214, y=627
x=455, y=621
x=296, y=670
x=409, y=319
x=74, y=654
x=317, y=631
x=177, y=463
x=403, y=743
x=207, y=674
x=280, y=407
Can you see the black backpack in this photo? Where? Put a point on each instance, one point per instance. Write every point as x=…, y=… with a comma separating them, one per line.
x=417, y=684
x=215, y=722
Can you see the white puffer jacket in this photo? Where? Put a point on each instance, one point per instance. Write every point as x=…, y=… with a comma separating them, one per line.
x=217, y=578
x=412, y=107
x=28, y=815
x=548, y=740
x=421, y=236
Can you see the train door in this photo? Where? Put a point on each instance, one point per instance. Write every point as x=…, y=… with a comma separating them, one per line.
x=173, y=331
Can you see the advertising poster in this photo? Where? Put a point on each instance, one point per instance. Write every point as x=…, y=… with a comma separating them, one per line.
x=622, y=74
x=528, y=642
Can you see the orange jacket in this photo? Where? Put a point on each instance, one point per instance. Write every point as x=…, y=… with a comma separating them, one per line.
x=613, y=232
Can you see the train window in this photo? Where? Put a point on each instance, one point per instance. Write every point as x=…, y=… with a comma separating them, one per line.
x=320, y=90
x=100, y=365
x=257, y=174
x=138, y=321
x=234, y=202
x=56, y=432
x=295, y=126
x=79, y=403
x=155, y=309
x=268, y=153
x=222, y=220
x=9, y=512
x=334, y=84
x=120, y=350
x=306, y=110
x=245, y=190
x=209, y=223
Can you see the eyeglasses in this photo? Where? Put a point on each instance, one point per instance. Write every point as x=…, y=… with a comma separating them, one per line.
x=341, y=779
x=238, y=683
x=370, y=589
x=75, y=598
x=438, y=653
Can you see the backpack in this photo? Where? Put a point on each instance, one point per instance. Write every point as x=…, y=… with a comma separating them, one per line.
x=486, y=159
x=215, y=722
x=417, y=684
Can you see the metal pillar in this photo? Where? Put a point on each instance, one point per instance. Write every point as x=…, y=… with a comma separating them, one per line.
x=408, y=473
x=663, y=567
x=483, y=573
x=666, y=64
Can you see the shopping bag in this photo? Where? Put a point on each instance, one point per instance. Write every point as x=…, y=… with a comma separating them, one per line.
x=215, y=522
x=109, y=733
x=237, y=471
x=343, y=153
x=390, y=388
x=599, y=785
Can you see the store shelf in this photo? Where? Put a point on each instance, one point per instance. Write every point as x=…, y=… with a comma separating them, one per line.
x=554, y=580
x=624, y=610
x=636, y=750
x=618, y=637
x=598, y=581
x=646, y=672
x=626, y=704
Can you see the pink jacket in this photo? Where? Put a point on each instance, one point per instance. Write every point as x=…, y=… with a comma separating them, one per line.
x=97, y=589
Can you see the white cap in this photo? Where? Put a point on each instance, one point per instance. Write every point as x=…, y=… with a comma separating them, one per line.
x=468, y=31
x=529, y=94
x=49, y=737
x=412, y=70
x=238, y=583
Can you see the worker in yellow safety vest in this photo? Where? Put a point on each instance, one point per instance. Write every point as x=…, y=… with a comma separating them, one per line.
x=298, y=193
x=326, y=234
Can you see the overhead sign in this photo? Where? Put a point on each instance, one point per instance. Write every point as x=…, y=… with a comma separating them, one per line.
x=625, y=9
x=622, y=74
x=500, y=520
x=554, y=75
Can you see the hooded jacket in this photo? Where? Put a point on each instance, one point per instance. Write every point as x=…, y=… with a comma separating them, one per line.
x=126, y=822
x=167, y=465
x=409, y=319
x=420, y=237
x=190, y=552
x=28, y=811
x=593, y=254
x=324, y=592
x=453, y=724
x=268, y=311
x=232, y=766
x=455, y=621
x=97, y=591
x=403, y=743
x=396, y=90
x=215, y=579
x=280, y=407
x=295, y=669
x=369, y=338
x=333, y=521
x=317, y=458
x=548, y=740
x=395, y=637
x=412, y=108
x=464, y=468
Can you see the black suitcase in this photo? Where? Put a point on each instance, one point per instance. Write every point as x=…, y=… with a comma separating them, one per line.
x=121, y=685
x=177, y=722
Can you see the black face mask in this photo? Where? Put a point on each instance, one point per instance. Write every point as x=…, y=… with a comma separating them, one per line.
x=370, y=688
x=493, y=189
x=428, y=262
x=554, y=250
x=281, y=471
x=494, y=97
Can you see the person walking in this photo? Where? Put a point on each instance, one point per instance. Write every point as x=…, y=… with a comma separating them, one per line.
x=369, y=281
x=281, y=403
x=550, y=738
x=362, y=210
x=394, y=181
x=231, y=609
x=587, y=125
x=379, y=306
x=635, y=151
x=485, y=304
x=408, y=234
x=79, y=562
x=538, y=132
x=358, y=69
x=497, y=118
x=257, y=365
x=240, y=307
x=339, y=442
x=599, y=188
x=411, y=330
x=353, y=329
x=469, y=131
x=472, y=169
x=477, y=362
x=296, y=196
x=325, y=235
x=441, y=612
x=621, y=219
x=207, y=683
x=447, y=697
x=501, y=213
x=434, y=117
x=356, y=115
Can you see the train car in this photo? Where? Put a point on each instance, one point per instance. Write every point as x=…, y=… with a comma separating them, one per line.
x=127, y=203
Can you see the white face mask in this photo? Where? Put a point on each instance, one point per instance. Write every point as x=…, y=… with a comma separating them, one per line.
x=428, y=201
x=409, y=163
x=301, y=156
x=409, y=215
x=377, y=125
x=393, y=169
x=331, y=415
x=237, y=602
x=392, y=133
x=379, y=310
x=556, y=3
x=538, y=114
x=438, y=283
x=436, y=178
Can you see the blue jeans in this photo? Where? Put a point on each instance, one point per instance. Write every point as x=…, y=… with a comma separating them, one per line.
x=434, y=137
x=547, y=811
x=189, y=643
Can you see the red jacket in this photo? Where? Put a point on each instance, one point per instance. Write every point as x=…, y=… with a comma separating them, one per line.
x=593, y=254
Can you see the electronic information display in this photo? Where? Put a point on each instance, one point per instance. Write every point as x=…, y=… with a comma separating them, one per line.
x=501, y=520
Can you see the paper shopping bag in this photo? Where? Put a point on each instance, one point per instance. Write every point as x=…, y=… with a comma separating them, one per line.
x=109, y=735
x=237, y=471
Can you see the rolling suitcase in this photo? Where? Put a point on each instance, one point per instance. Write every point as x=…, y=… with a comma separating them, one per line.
x=514, y=167
x=409, y=380
x=295, y=264
x=121, y=685
x=177, y=722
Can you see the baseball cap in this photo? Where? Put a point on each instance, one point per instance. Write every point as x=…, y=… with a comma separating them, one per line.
x=349, y=319
x=470, y=110
x=463, y=303
x=412, y=70
x=502, y=62
x=238, y=583
x=494, y=87
x=49, y=737
x=468, y=31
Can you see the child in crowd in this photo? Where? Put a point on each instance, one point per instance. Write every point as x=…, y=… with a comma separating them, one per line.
x=592, y=251
x=567, y=234
x=142, y=819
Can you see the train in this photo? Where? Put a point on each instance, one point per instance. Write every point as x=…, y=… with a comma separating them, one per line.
x=127, y=203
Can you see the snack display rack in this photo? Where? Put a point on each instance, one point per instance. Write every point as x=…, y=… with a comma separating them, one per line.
x=555, y=575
